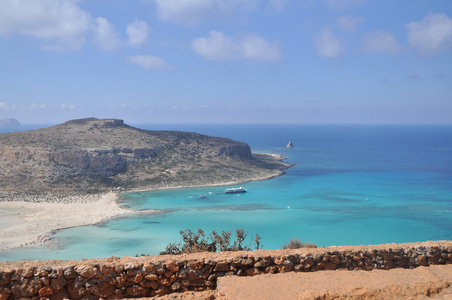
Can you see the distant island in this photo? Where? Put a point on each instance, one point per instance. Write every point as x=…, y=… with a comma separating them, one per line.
x=91, y=156
x=9, y=123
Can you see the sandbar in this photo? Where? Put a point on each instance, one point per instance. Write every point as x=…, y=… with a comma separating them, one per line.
x=41, y=219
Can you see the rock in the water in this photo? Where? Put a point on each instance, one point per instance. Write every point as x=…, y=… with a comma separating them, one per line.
x=290, y=145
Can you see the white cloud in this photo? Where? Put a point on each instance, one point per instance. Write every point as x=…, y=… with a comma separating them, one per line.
x=35, y=106
x=6, y=106
x=381, y=41
x=328, y=45
x=105, y=35
x=187, y=12
x=256, y=48
x=219, y=47
x=149, y=62
x=67, y=106
x=61, y=22
x=349, y=23
x=138, y=33
x=195, y=11
x=430, y=35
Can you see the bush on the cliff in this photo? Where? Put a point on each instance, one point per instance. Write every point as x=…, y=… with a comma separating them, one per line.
x=296, y=243
x=197, y=241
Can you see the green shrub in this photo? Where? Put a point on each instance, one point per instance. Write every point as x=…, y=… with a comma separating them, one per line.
x=197, y=241
x=296, y=244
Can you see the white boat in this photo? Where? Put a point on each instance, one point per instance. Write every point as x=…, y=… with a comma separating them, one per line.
x=235, y=190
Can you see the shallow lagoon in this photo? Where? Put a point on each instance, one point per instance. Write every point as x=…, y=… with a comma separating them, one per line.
x=351, y=185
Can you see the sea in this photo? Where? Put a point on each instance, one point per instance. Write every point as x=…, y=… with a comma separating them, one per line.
x=350, y=185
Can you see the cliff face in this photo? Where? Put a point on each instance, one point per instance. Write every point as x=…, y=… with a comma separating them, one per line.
x=93, y=155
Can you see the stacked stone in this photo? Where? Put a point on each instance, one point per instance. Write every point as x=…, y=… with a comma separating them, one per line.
x=116, y=278
x=108, y=279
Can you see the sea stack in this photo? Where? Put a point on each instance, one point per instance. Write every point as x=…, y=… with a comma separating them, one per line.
x=290, y=145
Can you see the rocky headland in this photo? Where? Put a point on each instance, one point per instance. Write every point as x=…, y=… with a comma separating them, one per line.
x=91, y=155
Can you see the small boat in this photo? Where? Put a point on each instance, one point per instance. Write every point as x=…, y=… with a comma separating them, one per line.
x=235, y=190
x=202, y=196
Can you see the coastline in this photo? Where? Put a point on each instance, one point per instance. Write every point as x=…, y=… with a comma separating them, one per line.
x=40, y=219
x=266, y=156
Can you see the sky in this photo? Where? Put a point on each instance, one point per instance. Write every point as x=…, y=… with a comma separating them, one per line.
x=226, y=61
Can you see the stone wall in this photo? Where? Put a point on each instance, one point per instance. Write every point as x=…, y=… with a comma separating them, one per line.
x=129, y=277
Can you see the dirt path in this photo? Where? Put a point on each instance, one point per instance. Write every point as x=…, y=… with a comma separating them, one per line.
x=434, y=282
x=419, y=283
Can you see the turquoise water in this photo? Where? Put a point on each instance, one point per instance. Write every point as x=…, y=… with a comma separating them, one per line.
x=352, y=185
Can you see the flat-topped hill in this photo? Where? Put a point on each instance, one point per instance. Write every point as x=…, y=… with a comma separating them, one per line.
x=92, y=155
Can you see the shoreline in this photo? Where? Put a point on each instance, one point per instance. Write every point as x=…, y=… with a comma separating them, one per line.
x=41, y=219
x=140, y=190
x=269, y=156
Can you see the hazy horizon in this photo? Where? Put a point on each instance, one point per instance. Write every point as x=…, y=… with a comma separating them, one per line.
x=137, y=124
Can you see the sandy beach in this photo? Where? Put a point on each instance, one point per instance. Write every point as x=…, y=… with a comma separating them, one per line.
x=41, y=219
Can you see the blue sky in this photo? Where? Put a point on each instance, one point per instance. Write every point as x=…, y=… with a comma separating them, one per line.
x=227, y=61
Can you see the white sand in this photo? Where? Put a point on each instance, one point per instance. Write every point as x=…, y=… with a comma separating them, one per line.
x=40, y=220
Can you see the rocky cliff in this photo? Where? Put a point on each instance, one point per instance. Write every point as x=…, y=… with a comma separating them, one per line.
x=92, y=155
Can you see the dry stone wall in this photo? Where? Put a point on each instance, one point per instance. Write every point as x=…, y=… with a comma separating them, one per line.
x=129, y=277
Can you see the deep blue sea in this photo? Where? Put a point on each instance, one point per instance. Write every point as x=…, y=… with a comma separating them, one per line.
x=351, y=185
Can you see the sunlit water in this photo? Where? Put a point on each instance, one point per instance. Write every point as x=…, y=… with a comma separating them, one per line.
x=352, y=185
